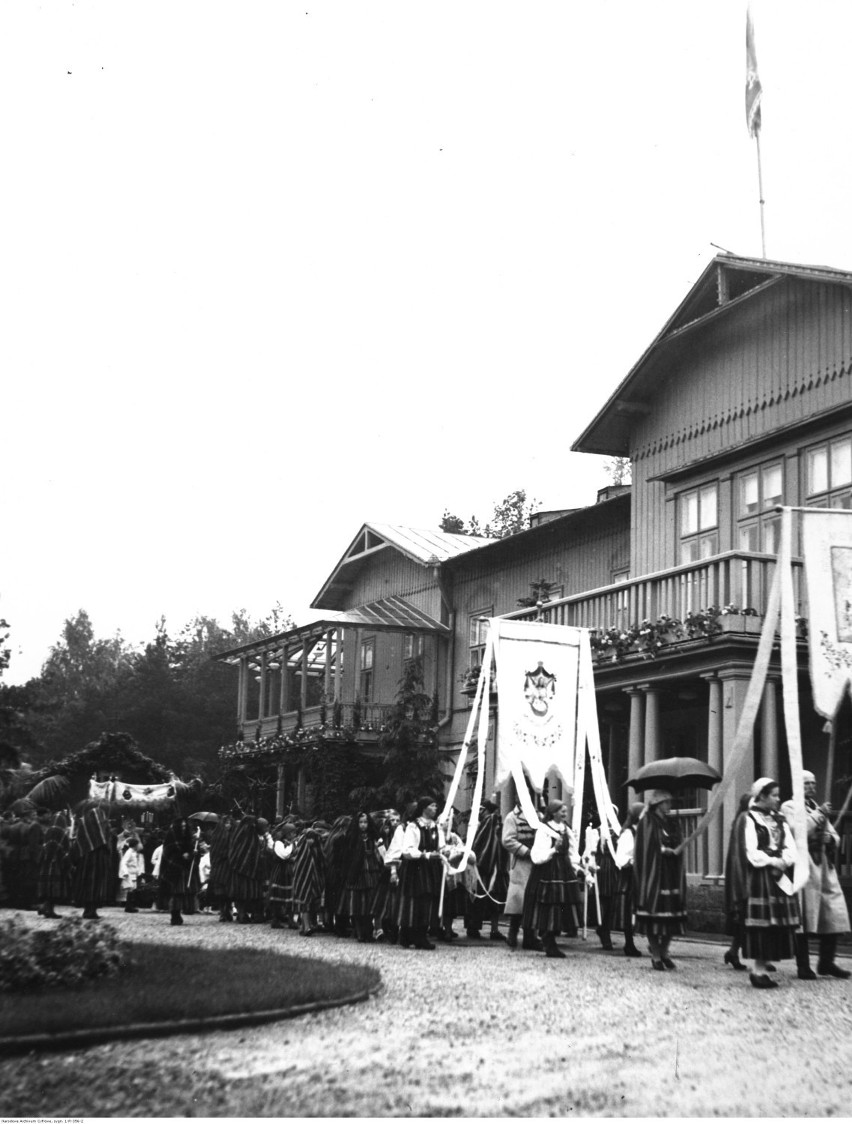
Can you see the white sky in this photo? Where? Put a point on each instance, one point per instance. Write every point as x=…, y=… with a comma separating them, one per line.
x=270, y=270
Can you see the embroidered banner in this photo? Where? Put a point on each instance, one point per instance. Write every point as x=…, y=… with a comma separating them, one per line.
x=537, y=678
x=139, y=795
x=827, y=549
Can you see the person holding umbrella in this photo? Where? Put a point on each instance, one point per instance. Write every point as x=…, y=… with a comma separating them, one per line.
x=659, y=879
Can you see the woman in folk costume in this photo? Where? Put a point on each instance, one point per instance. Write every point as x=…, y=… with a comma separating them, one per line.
x=91, y=858
x=771, y=914
x=386, y=901
x=54, y=883
x=552, y=895
x=279, y=894
x=517, y=838
x=179, y=868
x=821, y=902
x=361, y=878
x=336, y=855
x=492, y=883
x=659, y=879
x=246, y=860
x=736, y=887
x=421, y=874
x=622, y=917
x=308, y=878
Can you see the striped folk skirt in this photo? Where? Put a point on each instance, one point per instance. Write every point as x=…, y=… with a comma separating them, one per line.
x=94, y=882
x=419, y=892
x=385, y=906
x=552, y=898
x=771, y=918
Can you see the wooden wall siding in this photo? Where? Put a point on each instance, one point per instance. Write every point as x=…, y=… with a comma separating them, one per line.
x=582, y=560
x=391, y=574
x=779, y=359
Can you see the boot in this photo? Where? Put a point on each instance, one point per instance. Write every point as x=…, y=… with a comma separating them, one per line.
x=551, y=949
x=49, y=912
x=605, y=938
x=176, y=917
x=826, y=965
x=803, y=959
x=130, y=906
x=531, y=943
x=514, y=929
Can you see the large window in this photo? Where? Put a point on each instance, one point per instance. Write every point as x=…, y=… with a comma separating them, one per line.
x=478, y=634
x=829, y=474
x=759, y=490
x=368, y=653
x=412, y=646
x=699, y=523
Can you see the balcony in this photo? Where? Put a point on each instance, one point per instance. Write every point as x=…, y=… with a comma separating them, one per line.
x=353, y=722
x=735, y=578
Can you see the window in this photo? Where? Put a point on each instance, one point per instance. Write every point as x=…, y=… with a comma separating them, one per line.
x=412, y=646
x=699, y=524
x=478, y=634
x=759, y=490
x=368, y=652
x=829, y=474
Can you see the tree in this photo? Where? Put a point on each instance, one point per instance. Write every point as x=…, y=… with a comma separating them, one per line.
x=619, y=470
x=508, y=517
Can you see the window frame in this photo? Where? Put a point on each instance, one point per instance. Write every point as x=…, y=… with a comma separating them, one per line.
x=704, y=533
x=763, y=521
x=834, y=494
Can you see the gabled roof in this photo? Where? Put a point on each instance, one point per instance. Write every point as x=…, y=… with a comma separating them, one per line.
x=726, y=283
x=426, y=547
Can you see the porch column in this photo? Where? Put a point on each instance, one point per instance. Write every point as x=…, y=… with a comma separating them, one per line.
x=304, y=692
x=734, y=687
x=261, y=698
x=326, y=687
x=338, y=663
x=715, y=840
x=284, y=692
x=769, y=729
x=652, y=723
x=242, y=696
x=279, y=793
x=636, y=737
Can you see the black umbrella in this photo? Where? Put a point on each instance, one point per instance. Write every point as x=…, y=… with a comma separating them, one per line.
x=675, y=774
x=204, y=817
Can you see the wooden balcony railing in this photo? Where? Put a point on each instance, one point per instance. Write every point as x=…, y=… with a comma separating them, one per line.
x=369, y=718
x=735, y=578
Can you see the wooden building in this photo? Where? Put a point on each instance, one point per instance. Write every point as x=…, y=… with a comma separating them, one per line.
x=741, y=403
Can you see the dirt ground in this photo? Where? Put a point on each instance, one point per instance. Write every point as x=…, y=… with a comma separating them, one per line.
x=473, y=1029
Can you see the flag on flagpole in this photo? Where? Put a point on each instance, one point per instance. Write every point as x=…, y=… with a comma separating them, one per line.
x=754, y=91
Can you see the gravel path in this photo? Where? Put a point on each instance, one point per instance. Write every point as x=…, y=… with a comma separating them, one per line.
x=475, y=1030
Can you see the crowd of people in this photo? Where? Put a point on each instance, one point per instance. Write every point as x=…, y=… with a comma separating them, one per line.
x=397, y=877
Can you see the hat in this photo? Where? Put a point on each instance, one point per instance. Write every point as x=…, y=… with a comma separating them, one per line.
x=761, y=785
x=422, y=803
x=658, y=795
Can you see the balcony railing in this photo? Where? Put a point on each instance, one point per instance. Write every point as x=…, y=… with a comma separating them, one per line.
x=735, y=578
x=368, y=718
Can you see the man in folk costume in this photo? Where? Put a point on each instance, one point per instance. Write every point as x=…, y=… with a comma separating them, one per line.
x=91, y=857
x=421, y=875
x=518, y=837
x=492, y=883
x=54, y=866
x=821, y=901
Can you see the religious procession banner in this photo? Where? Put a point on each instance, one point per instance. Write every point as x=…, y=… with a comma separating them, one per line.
x=133, y=795
x=547, y=717
x=827, y=549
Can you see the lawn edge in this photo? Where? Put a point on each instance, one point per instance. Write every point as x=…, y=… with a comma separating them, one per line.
x=74, y=1039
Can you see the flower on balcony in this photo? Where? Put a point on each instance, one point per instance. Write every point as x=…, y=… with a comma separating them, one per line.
x=649, y=637
x=470, y=677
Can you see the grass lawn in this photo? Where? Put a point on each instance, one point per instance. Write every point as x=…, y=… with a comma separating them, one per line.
x=163, y=983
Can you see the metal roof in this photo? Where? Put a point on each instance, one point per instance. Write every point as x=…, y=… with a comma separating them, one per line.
x=390, y=614
x=743, y=277
x=423, y=546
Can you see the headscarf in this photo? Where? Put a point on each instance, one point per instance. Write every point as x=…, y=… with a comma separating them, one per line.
x=759, y=787
x=245, y=849
x=424, y=803
x=658, y=795
x=93, y=830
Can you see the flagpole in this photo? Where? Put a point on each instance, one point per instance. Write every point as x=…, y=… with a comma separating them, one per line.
x=760, y=193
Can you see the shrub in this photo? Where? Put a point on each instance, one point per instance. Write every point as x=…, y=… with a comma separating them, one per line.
x=74, y=951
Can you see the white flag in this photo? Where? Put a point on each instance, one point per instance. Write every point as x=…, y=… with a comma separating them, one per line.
x=827, y=543
x=537, y=673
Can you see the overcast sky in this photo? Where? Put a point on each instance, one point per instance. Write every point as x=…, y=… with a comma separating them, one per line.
x=271, y=270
